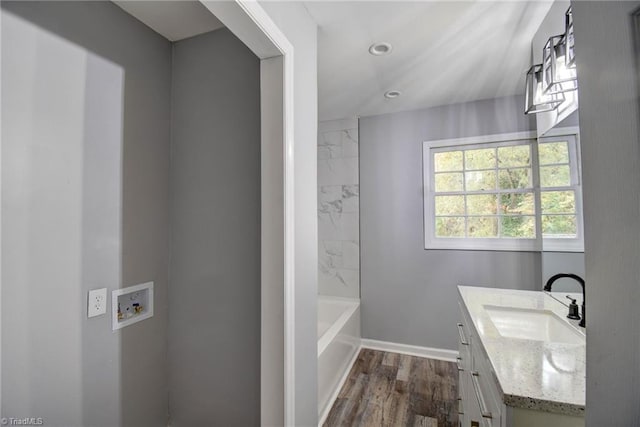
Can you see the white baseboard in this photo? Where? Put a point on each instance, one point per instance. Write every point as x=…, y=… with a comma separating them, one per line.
x=336, y=392
x=411, y=350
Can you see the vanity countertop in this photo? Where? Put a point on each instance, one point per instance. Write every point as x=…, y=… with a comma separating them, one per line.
x=538, y=375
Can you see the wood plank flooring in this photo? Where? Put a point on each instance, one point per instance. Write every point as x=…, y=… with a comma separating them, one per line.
x=390, y=389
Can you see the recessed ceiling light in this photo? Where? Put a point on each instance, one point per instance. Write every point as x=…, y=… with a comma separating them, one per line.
x=379, y=49
x=392, y=94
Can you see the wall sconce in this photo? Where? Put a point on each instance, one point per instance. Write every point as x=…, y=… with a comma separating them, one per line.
x=546, y=82
x=536, y=100
x=570, y=42
x=556, y=76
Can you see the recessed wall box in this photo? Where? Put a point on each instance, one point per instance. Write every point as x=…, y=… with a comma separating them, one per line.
x=131, y=305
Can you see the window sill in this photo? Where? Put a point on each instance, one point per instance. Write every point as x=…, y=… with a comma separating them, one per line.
x=518, y=245
x=505, y=245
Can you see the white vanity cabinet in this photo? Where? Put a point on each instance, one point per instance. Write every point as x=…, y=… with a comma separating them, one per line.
x=479, y=403
x=483, y=401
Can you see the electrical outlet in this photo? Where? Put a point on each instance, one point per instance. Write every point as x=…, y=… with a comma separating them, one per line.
x=97, y=302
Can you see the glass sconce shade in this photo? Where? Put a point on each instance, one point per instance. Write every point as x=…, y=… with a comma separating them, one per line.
x=556, y=77
x=536, y=100
x=570, y=57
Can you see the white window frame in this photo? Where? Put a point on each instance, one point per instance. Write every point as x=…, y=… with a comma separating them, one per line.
x=536, y=244
x=567, y=244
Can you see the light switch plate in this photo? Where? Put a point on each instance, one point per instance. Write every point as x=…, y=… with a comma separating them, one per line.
x=97, y=304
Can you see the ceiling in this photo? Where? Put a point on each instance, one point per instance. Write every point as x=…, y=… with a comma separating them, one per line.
x=444, y=52
x=174, y=20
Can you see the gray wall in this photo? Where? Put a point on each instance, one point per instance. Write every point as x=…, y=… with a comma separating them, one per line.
x=90, y=76
x=609, y=134
x=408, y=293
x=301, y=31
x=563, y=262
x=214, y=328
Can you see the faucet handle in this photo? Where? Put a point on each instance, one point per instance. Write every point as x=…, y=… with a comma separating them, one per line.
x=573, y=309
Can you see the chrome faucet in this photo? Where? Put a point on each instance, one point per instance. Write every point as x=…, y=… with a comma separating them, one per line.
x=578, y=279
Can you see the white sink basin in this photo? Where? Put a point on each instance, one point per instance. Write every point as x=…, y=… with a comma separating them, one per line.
x=530, y=324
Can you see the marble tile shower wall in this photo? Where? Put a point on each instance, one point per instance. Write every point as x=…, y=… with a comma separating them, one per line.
x=338, y=209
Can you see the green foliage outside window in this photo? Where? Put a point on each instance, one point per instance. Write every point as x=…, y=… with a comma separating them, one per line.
x=558, y=208
x=483, y=209
x=487, y=191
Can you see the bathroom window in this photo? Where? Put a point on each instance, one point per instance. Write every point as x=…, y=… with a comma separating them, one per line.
x=560, y=194
x=496, y=193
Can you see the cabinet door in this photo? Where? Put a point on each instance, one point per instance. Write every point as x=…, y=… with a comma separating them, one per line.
x=485, y=382
x=464, y=340
x=473, y=416
x=463, y=386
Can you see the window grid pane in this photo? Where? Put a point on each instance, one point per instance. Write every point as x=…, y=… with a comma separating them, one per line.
x=482, y=204
x=514, y=178
x=514, y=156
x=520, y=226
x=449, y=205
x=558, y=202
x=448, y=181
x=480, y=180
x=555, y=176
x=480, y=158
x=517, y=204
x=452, y=226
x=553, y=153
x=559, y=226
x=482, y=226
x=448, y=161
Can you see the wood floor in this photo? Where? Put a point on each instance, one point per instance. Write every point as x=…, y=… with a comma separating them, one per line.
x=390, y=389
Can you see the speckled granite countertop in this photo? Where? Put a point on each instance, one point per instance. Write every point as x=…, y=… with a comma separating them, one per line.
x=538, y=375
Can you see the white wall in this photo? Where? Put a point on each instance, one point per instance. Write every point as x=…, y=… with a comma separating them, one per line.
x=44, y=205
x=296, y=24
x=610, y=135
x=338, y=209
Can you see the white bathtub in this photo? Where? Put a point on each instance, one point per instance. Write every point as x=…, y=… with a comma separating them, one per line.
x=338, y=342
